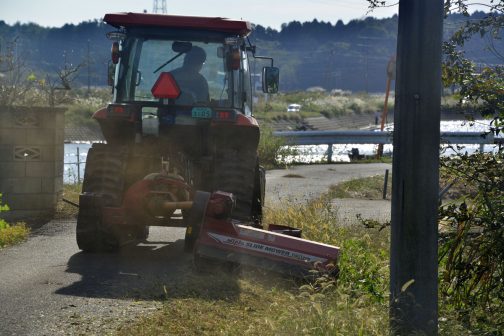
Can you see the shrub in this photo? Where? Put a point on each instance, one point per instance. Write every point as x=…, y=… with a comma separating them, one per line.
x=3, y=207
x=10, y=235
x=272, y=150
x=472, y=248
x=13, y=234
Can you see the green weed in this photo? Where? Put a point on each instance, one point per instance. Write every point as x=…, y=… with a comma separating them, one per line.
x=365, y=188
x=11, y=234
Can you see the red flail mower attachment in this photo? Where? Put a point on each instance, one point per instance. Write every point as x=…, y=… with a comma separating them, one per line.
x=280, y=248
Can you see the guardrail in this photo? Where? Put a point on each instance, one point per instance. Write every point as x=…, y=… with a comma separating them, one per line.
x=330, y=138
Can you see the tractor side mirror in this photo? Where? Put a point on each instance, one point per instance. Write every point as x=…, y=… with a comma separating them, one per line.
x=270, y=79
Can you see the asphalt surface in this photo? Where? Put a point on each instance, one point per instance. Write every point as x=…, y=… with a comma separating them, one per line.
x=49, y=287
x=301, y=183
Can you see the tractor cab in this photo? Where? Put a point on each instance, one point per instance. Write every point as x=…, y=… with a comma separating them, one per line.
x=201, y=65
x=180, y=121
x=182, y=146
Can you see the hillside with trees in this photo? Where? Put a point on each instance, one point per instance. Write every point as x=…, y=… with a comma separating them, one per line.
x=350, y=56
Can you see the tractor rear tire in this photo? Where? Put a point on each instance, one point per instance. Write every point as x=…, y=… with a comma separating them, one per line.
x=91, y=236
x=235, y=172
x=102, y=187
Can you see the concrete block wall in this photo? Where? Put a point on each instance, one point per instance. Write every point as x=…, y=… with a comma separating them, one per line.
x=31, y=161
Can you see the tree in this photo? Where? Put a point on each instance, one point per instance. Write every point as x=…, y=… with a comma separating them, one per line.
x=15, y=77
x=473, y=250
x=481, y=85
x=56, y=88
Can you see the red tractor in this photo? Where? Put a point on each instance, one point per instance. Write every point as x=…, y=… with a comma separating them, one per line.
x=181, y=146
x=180, y=121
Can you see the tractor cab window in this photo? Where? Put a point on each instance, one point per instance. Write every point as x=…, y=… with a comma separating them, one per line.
x=247, y=85
x=199, y=68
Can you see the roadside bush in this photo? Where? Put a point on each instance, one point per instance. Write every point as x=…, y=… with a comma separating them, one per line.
x=10, y=235
x=3, y=207
x=272, y=150
x=472, y=248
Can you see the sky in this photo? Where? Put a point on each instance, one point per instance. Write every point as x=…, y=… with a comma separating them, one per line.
x=268, y=13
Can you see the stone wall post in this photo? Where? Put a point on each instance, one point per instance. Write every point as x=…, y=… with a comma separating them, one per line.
x=31, y=161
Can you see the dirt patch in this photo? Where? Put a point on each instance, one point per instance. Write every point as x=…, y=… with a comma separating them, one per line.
x=293, y=176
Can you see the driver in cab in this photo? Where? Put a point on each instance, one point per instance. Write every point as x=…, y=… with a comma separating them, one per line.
x=193, y=86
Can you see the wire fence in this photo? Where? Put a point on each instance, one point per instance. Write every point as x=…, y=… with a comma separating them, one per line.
x=74, y=170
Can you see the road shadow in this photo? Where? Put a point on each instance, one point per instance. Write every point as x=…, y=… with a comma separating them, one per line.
x=148, y=271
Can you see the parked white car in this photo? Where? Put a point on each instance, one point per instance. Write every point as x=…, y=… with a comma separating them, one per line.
x=294, y=108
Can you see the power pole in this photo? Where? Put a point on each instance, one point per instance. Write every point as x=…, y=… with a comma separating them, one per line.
x=415, y=187
x=159, y=6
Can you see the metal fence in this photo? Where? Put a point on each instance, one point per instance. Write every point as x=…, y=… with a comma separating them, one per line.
x=331, y=138
x=78, y=163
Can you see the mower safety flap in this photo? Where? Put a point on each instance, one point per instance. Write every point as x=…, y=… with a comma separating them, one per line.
x=239, y=242
x=266, y=249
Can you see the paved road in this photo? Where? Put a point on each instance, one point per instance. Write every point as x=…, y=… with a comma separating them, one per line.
x=302, y=183
x=48, y=287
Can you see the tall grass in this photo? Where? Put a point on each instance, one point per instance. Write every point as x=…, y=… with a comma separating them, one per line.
x=318, y=103
x=11, y=234
x=70, y=192
x=357, y=302
x=254, y=302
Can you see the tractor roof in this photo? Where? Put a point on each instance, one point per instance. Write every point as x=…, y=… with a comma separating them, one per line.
x=242, y=28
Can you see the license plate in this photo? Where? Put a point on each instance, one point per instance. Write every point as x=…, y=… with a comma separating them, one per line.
x=201, y=112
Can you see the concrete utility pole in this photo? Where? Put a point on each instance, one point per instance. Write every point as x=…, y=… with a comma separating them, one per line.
x=413, y=260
